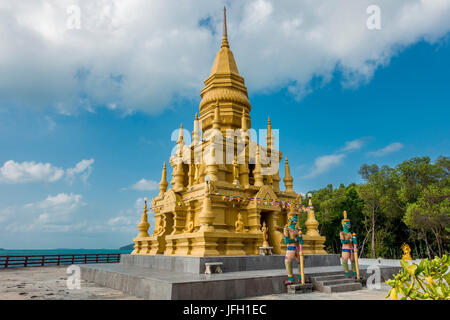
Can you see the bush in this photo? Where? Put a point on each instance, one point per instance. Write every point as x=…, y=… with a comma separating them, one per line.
x=428, y=280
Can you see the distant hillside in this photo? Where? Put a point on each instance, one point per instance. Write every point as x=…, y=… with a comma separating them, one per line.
x=128, y=247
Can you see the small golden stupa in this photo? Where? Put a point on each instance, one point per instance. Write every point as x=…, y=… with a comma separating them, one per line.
x=218, y=206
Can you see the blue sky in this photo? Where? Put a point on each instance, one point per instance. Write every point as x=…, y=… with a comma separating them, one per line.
x=382, y=106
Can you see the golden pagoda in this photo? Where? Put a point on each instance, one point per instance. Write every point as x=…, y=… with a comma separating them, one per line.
x=224, y=187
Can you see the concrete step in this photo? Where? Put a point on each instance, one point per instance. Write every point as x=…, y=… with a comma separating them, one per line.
x=327, y=277
x=337, y=281
x=342, y=287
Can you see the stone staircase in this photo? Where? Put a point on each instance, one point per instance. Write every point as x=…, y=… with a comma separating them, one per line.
x=335, y=283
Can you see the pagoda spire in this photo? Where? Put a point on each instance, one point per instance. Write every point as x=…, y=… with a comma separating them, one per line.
x=226, y=85
x=224, y=34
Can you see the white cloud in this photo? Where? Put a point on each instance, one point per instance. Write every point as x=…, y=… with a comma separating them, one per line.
x=51, y=123
x=53, y=214
x=355, y=144
x=143, y=55
x=324, y=163
x=127, y=220
x=393, y=147
x=82, y=168
x=145, y=185
x=32, y=172
x=26, y=172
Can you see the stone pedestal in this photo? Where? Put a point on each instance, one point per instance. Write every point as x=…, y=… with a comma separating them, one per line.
x=265, y=251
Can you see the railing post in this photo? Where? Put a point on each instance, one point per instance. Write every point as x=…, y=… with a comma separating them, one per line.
x=6, y=261
x=26, y=262
x=59, y=260
x=96, y=258
x=42, y=261
x=107, y=257
x=85, y=258
x=73, y=258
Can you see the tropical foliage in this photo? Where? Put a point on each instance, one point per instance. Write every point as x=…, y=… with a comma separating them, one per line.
x=428, y=280
x=408, y=203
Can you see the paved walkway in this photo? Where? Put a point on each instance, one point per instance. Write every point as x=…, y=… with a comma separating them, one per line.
x=49, y=283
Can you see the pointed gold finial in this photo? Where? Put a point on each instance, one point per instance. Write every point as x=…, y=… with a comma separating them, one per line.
x=225, y=34
x=180, y=136
x=196, y=116
x=269, y=134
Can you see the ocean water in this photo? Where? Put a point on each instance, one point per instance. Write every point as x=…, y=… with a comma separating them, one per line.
x=59, y=251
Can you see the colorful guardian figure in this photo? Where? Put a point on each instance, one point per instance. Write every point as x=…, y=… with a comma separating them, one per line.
x=348, y=245
x=294, y=240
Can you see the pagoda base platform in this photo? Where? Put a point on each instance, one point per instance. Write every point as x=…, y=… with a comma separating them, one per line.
x=183, y=278
x=229, y=263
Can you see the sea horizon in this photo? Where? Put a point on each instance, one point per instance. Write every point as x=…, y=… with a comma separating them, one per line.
x=61, y=251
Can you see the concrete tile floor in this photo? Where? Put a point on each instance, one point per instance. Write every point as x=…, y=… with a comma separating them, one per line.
x=49, y=283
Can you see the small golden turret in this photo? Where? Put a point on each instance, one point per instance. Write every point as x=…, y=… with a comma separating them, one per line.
x=191, y=174
x=196, y=131
x=243, y=167
x=179, y=178
x=178, y=175
x=163, y=183
x=206, y=217
x=244, y=121
x=259, y=180
x=269, y=135
x=211, y=166
x=311, y=223
x=180, y=135
x=288, y=180
x=235, y=172
x=144, y=225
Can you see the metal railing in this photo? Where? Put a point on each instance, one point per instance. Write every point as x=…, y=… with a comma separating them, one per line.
x=57, y=259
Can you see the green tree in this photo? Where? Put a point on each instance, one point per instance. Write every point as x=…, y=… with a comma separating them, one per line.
x=431, y=212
